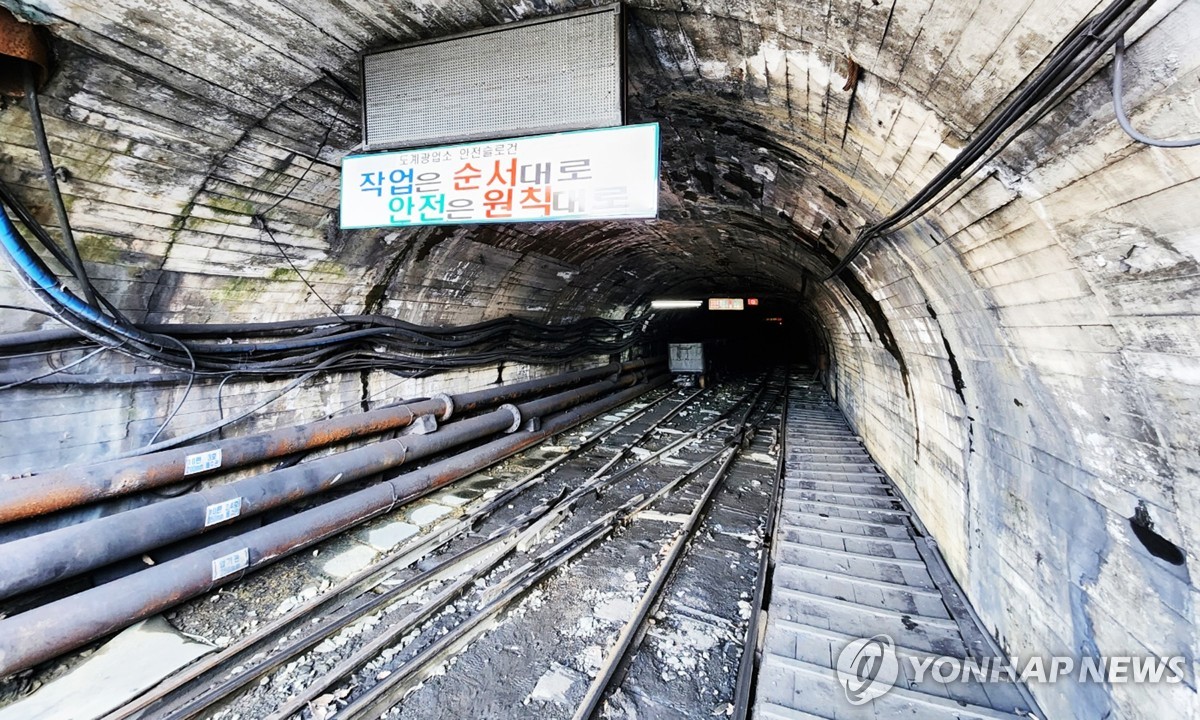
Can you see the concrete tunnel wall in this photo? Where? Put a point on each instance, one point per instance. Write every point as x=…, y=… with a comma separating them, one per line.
x=1023, y=361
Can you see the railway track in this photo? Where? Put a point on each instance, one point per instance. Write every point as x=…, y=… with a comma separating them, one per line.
x=534, y=569
x=633, y=664
x=449, y=588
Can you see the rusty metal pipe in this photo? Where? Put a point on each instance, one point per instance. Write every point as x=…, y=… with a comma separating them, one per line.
x=38, y=560
x=465, y=402
x=21, y=46
x=45, y=632
x=39, y=494
x=28, y=497
x=412, y=485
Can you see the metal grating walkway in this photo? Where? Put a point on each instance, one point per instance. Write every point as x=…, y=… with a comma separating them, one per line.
x=849, y=563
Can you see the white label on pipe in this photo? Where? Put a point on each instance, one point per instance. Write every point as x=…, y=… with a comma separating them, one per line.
x=200, y=462
x=223, y=511
x=231, y=563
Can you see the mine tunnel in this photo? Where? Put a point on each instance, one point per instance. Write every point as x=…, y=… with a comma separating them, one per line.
x=562, y=359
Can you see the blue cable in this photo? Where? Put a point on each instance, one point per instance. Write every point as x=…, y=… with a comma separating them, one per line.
x=26, y=262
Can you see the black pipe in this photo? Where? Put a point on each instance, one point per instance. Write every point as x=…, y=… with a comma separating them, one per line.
x=27, y=497
x=31, y=562
x=55, y=628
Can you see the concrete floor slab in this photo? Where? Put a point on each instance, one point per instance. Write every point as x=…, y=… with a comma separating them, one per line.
x=122, y=668
x=426, y=514
x=349, y=561
x=388, y=536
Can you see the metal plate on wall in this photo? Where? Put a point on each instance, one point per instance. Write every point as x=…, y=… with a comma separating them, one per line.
x=539, y=76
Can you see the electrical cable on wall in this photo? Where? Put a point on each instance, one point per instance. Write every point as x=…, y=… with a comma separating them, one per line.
x=1119, y=106
x=55, y=371
x=332, y=344
x=1065, y=68
x=360, y=342
x=186, y=391
x=260, y=219
x=48, y=170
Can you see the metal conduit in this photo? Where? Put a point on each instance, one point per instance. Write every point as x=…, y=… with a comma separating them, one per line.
x=31, y=562
x=27, y=497
x=58, y=627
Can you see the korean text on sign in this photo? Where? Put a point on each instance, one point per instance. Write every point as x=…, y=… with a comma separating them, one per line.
x=587, y=175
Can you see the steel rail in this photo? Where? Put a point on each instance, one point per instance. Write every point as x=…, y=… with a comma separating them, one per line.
x=238, y=653
x=743, y=693
x=539, y=517
x=599, y=478
x=383, y=695
x=507, y=541
x=617, y=662
x=495, y=548
x=54, y=628
x=600, y=683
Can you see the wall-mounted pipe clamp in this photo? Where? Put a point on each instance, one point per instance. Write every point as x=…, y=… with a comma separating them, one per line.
x=448, y=403
x=516, y=424
x=421, y=425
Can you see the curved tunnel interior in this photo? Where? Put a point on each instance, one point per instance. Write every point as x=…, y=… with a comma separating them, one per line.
x=1021, y=360
x=768, y=334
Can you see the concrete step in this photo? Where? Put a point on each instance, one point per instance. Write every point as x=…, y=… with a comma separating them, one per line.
x=845, y=526
x=897, y=572
x=820, y=648
x=831, y=576
x=841, y=515
x=884, y=596
x=872, y=488
x=847, y=566
x=789, y=682
x=838, y=539
x=866, y=499
x=820, y=505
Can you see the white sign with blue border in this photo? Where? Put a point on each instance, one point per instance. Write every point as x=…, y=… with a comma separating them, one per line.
x=604, y=174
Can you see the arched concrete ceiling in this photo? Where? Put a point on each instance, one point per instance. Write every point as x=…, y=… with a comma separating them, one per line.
x=1022, y=361
x=771, y=157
